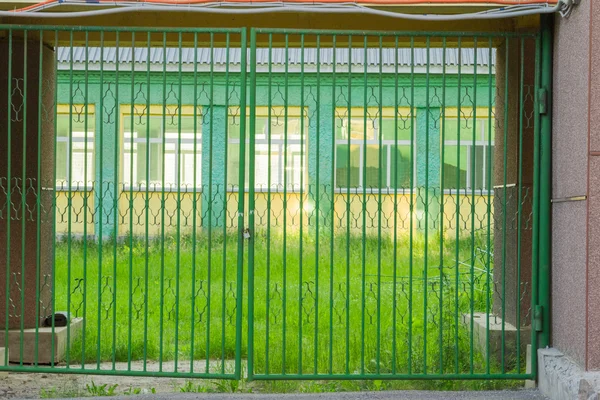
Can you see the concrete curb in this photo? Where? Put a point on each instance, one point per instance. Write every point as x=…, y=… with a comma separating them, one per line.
x=559, y=378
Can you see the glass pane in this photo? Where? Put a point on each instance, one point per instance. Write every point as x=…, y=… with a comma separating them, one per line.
x=233, y=165
x=455, y=172
x=389, y=125
x=77, y=124
x=479, y=168
x=400, y=159
x=187, y=169
x=129, y=166
x=170, y=170
x=140, y=178
x=234, y=128
x=61, y=162
x=374, y=176
x=347, y=162
x=156, y=157
x=357, y=131
x=293, y=167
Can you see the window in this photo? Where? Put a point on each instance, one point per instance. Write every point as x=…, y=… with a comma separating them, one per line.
x=280, y=149
x=468, y=160
x=362, y=140
x=74, y=147
x=159, y=148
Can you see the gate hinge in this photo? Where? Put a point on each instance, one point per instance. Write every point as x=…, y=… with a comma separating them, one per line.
x=543, y=101
x=537, y=318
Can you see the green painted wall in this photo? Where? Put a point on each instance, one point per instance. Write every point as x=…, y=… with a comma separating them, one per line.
x=319, y=98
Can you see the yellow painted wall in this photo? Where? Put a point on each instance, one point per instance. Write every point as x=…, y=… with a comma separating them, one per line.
x=293, y=215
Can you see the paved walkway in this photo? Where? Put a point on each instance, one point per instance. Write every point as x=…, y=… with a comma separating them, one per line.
x=386, y=395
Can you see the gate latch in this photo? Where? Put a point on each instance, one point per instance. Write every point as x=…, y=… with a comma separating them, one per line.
x=246, y=233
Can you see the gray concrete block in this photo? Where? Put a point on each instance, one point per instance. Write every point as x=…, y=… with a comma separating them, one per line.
x=559, y=378
x=44, y=338
x=496, y=331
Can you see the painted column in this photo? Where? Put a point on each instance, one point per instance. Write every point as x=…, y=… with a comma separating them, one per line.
x=214, y=145
x=320, y=141
x=31, y=133
x=107, y=175
x=428, y=166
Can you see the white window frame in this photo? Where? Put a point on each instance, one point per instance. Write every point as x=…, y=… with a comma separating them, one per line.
x=77, y=136
x=482, y=117
x=262, y=139
x=174, y=141
x=387, y=114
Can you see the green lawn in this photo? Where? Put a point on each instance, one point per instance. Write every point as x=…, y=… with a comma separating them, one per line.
x=370, y=307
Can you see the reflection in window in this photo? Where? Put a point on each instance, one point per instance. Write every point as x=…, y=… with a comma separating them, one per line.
x=74, y=150
x=158, y=150
x=280, y=150
x=373, y=152
x=468, y=154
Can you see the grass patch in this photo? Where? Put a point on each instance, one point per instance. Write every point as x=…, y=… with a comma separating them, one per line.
x=349, y=305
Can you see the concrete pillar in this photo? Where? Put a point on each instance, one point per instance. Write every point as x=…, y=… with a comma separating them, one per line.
x=213, y=175
x=25, y=125
x=428, y=168
x=512, y=291
x=322, y=141
x=107, y=188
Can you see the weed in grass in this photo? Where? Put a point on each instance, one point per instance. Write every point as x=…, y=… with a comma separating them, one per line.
x=101, y=390
x=322, y=304
x=67, y=390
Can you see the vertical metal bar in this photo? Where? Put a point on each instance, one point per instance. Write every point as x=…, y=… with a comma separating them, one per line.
x=348, y=209
x=162, y=205
x=117, y=155
x=178, y=173
x=195, y=199
x=100, y=197
x=85, y=199
x=395, y=237
x=285, y=203
x=545, y=184
x=24, y=198
x=535, y=202
x=520, y=205
x=489, y=212
x=364, y=204
x=332, y=211
x=132, y=182
x=426, y=249
x=210, y=205
x=70, y=199
x=317, y=199
x=242, y=184
x=379, y=210
x=504, y=200
x=473, y=190
x=38, y=201
x=53, y=295
x=442, y=152
x=9, y=192
x=301, y=203
x=412, y=200
x=457, y=237
x=147, y=213
x=269, y=177
x=225, y=164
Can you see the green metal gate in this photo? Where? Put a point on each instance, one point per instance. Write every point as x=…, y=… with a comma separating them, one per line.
x=393, y=205
x=388, y=187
